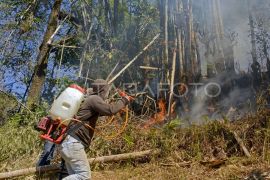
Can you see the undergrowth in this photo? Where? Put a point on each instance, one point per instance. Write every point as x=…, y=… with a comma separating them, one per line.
x=8, y=106
x=18, y=138
x=20, y=144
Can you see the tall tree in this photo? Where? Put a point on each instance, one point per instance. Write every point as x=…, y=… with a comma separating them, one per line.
x=115, y=15
x=108, y=14
x=252, y=32
x=42, y=58
x=166, y=39
x=179, y=23
x=218, y=30
x=189, y=63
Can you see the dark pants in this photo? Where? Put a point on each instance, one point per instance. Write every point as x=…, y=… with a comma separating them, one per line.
x=47, y=154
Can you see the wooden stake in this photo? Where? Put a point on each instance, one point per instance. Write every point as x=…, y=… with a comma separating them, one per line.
x=56, y=167
x=172, y=78
x=149, y=68
x=111, y=73
x=61, y=46
x=56, y=31
x=241, y=144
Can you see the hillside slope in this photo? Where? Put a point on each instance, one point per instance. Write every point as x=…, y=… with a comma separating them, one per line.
x=197, y=152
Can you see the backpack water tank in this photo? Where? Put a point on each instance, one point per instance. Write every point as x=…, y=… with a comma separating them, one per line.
x=67, y=104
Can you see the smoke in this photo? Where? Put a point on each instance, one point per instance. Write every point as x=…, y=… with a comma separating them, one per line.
x=235, y=18
x=222, y=96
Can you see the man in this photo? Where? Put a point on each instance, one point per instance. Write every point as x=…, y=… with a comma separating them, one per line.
x=72, y=149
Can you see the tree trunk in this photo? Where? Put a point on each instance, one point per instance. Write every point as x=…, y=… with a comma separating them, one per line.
x=172, y=79
x=108, y=14
x=115, y=16
x=42, y=58
x=219, y=55
x=161, y=47
x=188, y=39
x=179, y=39
x=166, y=54
x=252, y=33
x=192, y=42
x=220, y=21
x=183, y=42
x=265, y=49
x=208, y=31
x=180, y=54
x=198, y=57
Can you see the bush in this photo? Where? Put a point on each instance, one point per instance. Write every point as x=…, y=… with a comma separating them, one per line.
x=8, y=106
x=18, y=138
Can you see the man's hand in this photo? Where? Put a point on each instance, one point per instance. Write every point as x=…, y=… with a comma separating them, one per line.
x=124, y=95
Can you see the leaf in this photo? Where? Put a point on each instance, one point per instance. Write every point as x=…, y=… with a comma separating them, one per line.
x=128, y=140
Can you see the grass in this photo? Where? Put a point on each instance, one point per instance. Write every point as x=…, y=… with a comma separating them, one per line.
x=234, y=169
x=20, y=146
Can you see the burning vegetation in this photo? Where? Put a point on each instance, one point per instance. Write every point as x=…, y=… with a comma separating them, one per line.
x=159, y=117
x=198, y=73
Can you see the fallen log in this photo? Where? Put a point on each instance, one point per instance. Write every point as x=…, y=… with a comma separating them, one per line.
x=121, y=157
x=29, y=171
x=214, y=163
x=56, y=167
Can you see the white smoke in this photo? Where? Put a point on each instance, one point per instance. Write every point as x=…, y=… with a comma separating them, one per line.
x=233, y=100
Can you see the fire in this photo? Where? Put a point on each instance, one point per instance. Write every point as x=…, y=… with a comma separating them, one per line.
x=159, y=117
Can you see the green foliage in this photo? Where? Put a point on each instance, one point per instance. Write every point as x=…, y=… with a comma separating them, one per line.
x=55, y=87
x=18, y=137
x=173, y=125
x=6, y=109
x=17, y=142
x=129, y=140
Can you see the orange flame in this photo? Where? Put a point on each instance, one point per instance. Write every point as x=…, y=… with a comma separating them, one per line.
x=159, y=117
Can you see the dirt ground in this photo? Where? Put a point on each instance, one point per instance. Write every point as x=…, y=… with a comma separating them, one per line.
x=158, y=171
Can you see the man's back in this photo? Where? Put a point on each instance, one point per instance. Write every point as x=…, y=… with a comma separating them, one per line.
x=92, y=107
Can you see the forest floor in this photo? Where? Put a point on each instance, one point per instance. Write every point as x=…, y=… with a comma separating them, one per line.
x=234, y=168
x=240, y=169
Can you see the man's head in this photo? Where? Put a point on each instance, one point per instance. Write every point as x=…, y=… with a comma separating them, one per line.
x=100, y=87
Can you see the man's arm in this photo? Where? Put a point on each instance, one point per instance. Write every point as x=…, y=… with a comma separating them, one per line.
x=105, y=109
